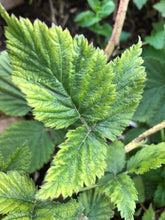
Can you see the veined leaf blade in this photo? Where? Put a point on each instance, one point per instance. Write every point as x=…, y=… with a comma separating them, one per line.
x=121, y=190
x=150, y=157
x=16, y=192
x=12, y=101
x=80, y=160
x=34, y=135
x=128, y=79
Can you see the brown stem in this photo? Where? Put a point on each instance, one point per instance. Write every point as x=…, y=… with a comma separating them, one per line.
x=119, y=21
x=133, y=144
x=52, y=12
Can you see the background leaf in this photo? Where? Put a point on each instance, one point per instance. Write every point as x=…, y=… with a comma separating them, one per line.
x=12, y=101
x=80, y=160
x=140, y=3
x=34, y=134
x=115, y=157
x=149, y=214
x=16, y=192
x=159, y=195
x=160, y=6
x=128, y=79
x=152, y=106
x=150, y=157
x=120, y=189
x=96, y=206
x=19, y=160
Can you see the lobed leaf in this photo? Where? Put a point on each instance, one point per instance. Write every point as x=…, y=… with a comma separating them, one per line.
x=34, y=134
x=12, y=101
x=16, y=192
x=152, y=102
x=120, y=189
x=64, y=80
x=96, y=206
x=19, y=160
x=80, y=160
x=128, y=79
x=150, y=157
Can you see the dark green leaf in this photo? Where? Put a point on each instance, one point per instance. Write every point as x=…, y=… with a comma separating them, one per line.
x=115, y=157
x=34, y=134
x=152, y=106
x=96, y=206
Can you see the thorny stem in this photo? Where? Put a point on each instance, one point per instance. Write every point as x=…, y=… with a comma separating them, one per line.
x=133, y=144
x=119, y=21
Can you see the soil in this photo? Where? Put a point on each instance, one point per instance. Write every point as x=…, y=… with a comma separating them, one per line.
x=137, y=23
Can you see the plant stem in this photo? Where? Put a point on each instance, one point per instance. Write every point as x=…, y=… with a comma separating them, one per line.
x=133, y=144
x=88, y=188
x=119, y=21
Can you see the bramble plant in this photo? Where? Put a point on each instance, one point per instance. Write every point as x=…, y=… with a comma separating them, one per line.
x=79, y=102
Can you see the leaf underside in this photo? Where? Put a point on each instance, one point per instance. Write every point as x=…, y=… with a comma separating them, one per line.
x=12, y=101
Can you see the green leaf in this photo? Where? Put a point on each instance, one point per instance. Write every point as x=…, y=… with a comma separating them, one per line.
x=34, y=134
x=71, y=210
x=80, y=160
x=115, y=157
x=105, y=29
x=152, y=106
x=149, y=214
x=128, y=79
x=159, y=195
x=1, y=162
x=12, y=101
x=96, y=206
x=162, y=217
x=120, y=189
x=16, y=192
x=38, y=214
x=19, y=160
x=160, y=6
x=65, y=80
x=87, y=19
x=150, y=157
x=157, y=39
x=58, y=136
x=94, y=4
x=139, y=185
x=107, y=7
x=152, y=52
x=140, y=3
